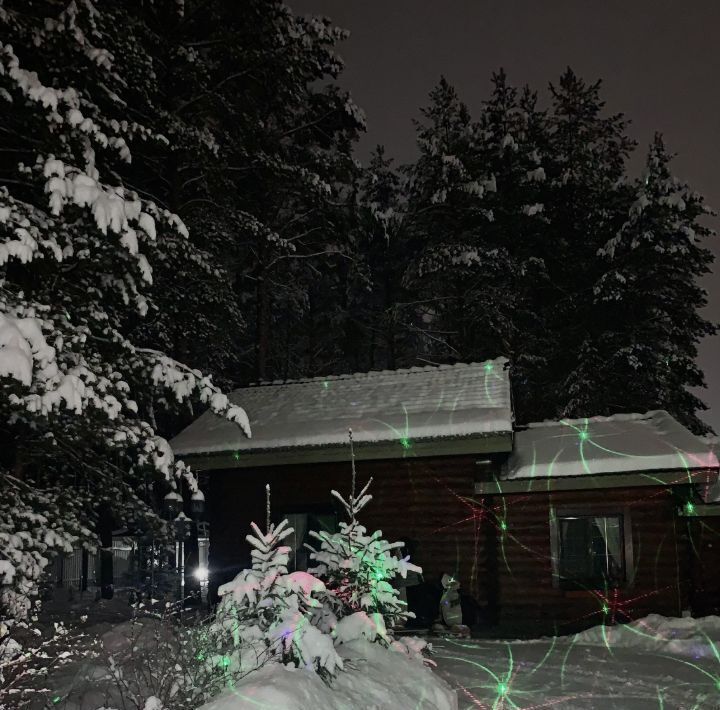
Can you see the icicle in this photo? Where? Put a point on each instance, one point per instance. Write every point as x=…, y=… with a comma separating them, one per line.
x=352, y=464
x=267, y=508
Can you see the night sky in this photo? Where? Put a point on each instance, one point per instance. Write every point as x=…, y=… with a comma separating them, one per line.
x=658, y=59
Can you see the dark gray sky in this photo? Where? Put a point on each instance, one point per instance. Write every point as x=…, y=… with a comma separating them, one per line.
x=658, y=59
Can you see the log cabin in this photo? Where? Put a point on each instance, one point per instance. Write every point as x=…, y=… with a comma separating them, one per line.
x=560, y=525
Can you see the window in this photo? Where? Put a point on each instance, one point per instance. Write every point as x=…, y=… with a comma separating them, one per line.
x=591, y=551
x=302, y=524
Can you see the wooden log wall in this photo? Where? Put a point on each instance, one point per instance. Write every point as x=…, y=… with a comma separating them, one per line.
x=500, y=546
x=424, y=500
x=705, y=552
x=660, y=578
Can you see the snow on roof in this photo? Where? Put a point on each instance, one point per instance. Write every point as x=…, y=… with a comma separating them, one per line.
x=390, y=405
x=603, y=445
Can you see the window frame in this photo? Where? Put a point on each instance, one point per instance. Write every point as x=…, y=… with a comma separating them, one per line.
x=586, y=511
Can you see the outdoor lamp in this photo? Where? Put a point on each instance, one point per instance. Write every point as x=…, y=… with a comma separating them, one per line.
x=197, y=504
x=173, y=504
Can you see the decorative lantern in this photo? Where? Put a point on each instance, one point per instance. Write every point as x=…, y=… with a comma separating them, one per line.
x=173, y=504
x=197, y=504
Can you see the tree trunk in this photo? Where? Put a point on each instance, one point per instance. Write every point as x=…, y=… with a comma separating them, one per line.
x=262, y=341
x=105, y=528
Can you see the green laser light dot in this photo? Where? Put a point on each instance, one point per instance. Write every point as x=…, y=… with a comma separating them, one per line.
x=236, y=455
x=583, y=435
x=605, y=609
x=488, y=366
x=326, y=384
x=502, y=689
x=689, y=508
x=503, y=525
x=405, y=442
x=225, y=661
x=56, y=699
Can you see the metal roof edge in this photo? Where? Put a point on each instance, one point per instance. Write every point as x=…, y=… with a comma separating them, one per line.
x=592, y=481
x=492, y=442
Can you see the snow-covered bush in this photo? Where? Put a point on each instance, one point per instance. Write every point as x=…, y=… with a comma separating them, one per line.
x=267, y=614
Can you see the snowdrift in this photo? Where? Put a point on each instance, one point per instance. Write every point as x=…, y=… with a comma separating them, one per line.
x=695, y=638
x=374, y=678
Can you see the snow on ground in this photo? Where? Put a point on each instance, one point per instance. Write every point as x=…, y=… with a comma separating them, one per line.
x=654, y=663
x=659, y=663
x=374, y=679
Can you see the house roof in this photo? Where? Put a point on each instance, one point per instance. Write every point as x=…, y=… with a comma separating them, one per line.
x=415, y=404
x=604, y=445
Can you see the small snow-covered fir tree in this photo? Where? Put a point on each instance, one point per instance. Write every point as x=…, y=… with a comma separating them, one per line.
x=267, y=614
x=359, y=569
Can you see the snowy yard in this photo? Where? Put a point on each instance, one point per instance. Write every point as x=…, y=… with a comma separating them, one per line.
x=655, y=663
x=658, y=663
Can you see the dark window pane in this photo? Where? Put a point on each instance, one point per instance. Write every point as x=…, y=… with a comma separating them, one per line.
x=592, y=551
x=302, y=524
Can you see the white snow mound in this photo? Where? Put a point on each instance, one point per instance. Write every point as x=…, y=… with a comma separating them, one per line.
x=375, y=678
x=695, y=638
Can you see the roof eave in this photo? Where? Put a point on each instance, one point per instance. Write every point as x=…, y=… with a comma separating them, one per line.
x=629, y=479
x=493, y=442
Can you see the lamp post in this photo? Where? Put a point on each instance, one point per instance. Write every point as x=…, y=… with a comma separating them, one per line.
x=182, y=527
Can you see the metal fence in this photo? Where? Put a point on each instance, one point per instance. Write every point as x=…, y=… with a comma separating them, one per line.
x=149, y=569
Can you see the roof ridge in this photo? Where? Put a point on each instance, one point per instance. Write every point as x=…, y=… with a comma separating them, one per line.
x=414, y=370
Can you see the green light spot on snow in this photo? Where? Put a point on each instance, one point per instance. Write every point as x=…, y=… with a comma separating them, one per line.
x=326, y=384
x=405, y=442
x=503, y=525
x=488, y=366
x=57, y=699
x=583, y=435
x=236, y=455
x=605, y=609
x=225, y=661
x=502, y=689
x=690, y=508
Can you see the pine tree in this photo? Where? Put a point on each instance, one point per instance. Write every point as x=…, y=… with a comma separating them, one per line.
x=453, y=267
x=286, y=190
x=76, y=247
x=650, y=302
x=586, y=195
x=510, y=319
x=381, y=331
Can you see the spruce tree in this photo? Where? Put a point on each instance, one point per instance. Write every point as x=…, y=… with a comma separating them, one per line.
x=511, y=318
x=381, y=315
x=453, y=267
x=584, y=206
x=77, y=248
x=650, y=302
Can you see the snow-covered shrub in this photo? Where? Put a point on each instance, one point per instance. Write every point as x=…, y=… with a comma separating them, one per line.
x=267, y=614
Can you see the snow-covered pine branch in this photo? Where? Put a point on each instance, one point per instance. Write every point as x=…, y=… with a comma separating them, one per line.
x=77, y=244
